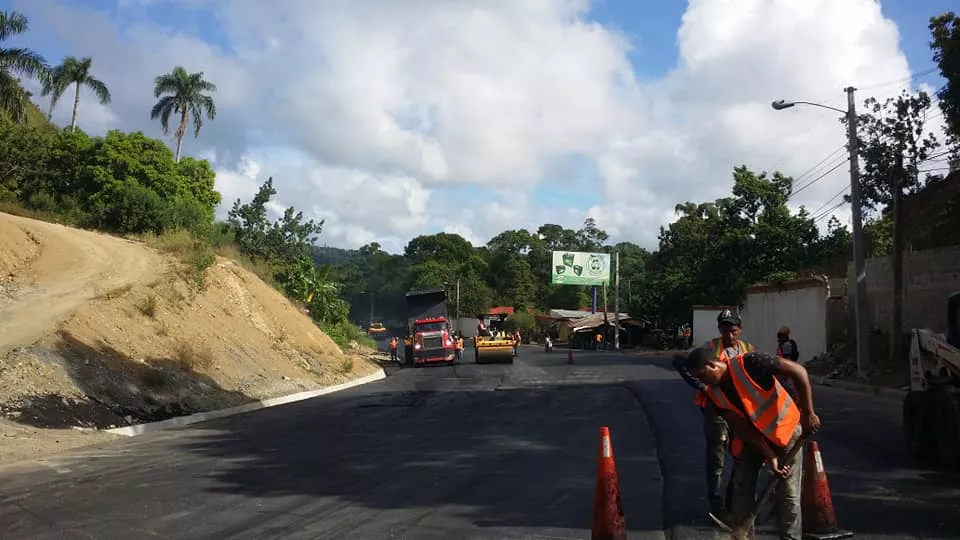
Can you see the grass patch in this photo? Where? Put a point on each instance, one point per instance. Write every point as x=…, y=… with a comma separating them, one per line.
x=343, y=333
x=195, y=253
x=148, y=306
x=113, y=294
x=190, y=358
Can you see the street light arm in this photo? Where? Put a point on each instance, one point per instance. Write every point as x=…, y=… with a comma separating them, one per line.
x=781, y=104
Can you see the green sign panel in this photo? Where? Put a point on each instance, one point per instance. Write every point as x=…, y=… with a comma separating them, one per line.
x=578, y=268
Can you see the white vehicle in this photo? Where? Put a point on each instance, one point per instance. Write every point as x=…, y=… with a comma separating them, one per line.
x=931, y=410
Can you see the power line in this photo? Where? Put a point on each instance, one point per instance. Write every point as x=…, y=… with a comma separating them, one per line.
x=912, y=77
x=817, y=179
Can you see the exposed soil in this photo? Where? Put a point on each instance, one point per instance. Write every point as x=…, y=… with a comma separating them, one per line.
x=99, y=332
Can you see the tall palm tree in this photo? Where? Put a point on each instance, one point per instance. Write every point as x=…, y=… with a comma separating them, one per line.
x=76, y=72
x=187, y=99
x=13, y=62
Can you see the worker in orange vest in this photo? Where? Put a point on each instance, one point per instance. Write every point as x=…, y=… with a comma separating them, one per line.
x=727, y=345
x=516, y=342
x=765, y=421
x=458, y=348
x=393, y=350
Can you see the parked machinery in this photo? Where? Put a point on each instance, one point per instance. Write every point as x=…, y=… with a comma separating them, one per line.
x=498, y=345
x=931, y=410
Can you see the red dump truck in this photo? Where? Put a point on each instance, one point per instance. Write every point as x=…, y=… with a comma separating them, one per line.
x=429, y=340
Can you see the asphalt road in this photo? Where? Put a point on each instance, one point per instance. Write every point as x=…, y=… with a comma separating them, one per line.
x=488, y=451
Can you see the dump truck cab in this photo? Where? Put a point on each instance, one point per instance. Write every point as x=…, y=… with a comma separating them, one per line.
x=429, y=339
x=496, y=345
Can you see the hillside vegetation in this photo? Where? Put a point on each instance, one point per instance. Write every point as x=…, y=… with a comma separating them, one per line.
x=102, y=331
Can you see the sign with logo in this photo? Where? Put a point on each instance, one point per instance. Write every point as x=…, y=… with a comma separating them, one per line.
x=579, y=268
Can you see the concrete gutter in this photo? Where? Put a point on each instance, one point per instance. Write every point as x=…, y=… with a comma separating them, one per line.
x=860, y=387
x=140, y=429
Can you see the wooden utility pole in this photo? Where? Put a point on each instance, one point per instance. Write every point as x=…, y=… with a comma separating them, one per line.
x=896, y=190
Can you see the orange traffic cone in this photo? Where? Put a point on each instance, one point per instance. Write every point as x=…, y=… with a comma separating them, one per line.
x=569, y=356
x=608, y=522
x=819, y=520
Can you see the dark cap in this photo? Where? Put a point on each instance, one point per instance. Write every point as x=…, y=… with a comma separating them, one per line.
x=699, y=358
x=728, y=316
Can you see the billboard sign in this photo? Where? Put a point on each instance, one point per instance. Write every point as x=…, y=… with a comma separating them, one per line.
x=579, y=268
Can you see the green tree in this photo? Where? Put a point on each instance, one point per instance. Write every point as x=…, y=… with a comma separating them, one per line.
x=279, y=243
x=14, y=62
x=187, y=98
x=77, y=73
x=945, y=43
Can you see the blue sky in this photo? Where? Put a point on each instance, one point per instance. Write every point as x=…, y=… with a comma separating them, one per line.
x=587, y=144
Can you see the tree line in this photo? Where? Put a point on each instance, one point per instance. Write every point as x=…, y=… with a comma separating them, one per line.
x=131, y=183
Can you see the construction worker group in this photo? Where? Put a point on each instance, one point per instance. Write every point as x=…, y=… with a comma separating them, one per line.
x=759, y=406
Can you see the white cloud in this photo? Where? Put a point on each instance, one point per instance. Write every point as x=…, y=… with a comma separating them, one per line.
x=364, y=111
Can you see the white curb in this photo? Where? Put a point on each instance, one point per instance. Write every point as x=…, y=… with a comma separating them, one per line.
x=139, y=429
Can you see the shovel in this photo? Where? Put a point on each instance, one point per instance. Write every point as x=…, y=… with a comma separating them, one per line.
x=742, y=530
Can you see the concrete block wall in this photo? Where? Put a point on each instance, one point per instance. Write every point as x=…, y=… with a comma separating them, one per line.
x=929, y=277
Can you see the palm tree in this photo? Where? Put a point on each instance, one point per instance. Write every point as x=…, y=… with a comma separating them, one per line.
x=16, y=61
x=187, y=100
x=76, y=72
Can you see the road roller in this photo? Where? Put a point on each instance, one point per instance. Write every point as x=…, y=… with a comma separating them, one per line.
x=495, y=344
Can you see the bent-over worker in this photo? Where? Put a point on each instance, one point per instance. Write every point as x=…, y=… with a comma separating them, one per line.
x=766, y=422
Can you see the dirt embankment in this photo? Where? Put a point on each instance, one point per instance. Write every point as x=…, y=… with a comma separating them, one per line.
x=99, y=332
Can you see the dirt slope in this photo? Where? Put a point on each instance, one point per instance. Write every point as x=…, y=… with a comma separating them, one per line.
x=98, y=331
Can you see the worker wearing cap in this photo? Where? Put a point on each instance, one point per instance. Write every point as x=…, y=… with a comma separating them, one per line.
x=786, y=347
x=726, y=346
x=766, y=422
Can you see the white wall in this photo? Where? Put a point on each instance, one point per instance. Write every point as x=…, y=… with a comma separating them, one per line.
x=704, y=325
x=804, y=310
x=705, y=322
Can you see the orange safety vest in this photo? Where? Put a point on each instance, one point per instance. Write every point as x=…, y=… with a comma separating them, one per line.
x=459, y=343
x=718, y=350
x=393, y=343
x=773, y=412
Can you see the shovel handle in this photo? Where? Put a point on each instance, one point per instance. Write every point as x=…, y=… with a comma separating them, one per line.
x=771, y=485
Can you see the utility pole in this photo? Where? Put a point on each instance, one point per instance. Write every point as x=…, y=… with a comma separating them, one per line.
x=616, y=303
x=860, y=309
x=371, y=308
x=458, y=304
x=896, y=329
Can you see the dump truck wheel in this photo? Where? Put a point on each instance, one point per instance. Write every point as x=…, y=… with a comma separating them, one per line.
x=919, y=423
x=947, y=406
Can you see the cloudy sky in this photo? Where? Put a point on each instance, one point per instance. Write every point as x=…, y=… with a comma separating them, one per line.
x=394, y=118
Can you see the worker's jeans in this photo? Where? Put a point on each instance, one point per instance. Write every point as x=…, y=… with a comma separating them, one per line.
x=743, y=485
x=717, y=436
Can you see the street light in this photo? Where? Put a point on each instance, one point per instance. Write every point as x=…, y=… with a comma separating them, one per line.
x=782, y=104
x=860, y=311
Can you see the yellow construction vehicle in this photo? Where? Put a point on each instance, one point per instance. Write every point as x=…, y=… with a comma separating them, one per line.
x=497, y=345
x=931, y=410
x=377, y=331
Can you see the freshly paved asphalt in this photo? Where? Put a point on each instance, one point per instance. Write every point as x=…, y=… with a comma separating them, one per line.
x=470, y=451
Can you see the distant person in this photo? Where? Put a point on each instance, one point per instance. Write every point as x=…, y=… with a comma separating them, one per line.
x=393, y=350
x=548, y=344
x=786, y=346
x=458, y=348
x=516, y=342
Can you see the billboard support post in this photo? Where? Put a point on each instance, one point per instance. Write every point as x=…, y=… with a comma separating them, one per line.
x=593, y=304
